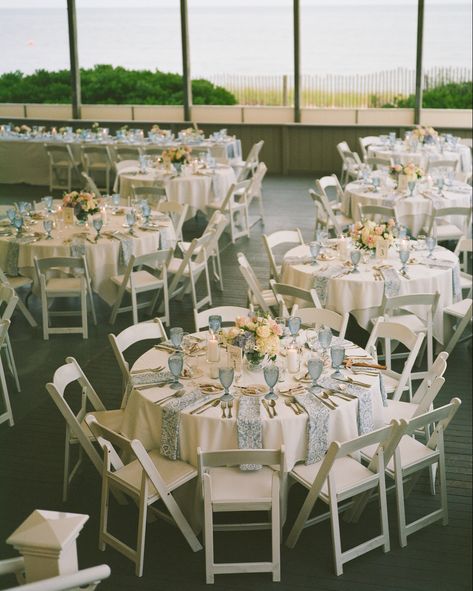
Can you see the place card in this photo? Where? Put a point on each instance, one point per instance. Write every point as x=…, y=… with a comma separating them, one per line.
x=235, y=357
x=68, y=214
x=382, y=247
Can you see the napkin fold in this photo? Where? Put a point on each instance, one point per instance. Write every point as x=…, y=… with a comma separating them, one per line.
x=249, y=427
x=392, y=282
x=150, y=377
x=126, y=248
x=321, y=280
x=317, y=427
x=455, y=267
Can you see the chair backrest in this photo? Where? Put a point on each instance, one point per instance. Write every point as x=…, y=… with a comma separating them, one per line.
x=365, y=142
x=317, y=317
x=152, y=150
x=330, y=187
x=95, y=155
x=129, y=336
x=8, y=302
x=251, y=161
x=282, y=290
x=121, y=165
x=379, y=163
x=323, y=212
x=240, y=188
x=155, y=262
x=254, y=286
x=64, y=264
x=127, y=153
x=59, y=153
x=256, y=181
x=441, y=417
x=392, y=331
x=460, y=212
x=376, y=212
x=155, y=194
x=429, y=300
x=463, y=248
x=228, y=314
x=271, y=241
x=437, y=369
x=348, y=157
x=177, y=212
x=442, y=164
x=196, y=254
x=235, y=457
x=90, y=185
x=217, y=224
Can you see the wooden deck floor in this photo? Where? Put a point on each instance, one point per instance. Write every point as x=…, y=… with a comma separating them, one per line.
x=31, y=456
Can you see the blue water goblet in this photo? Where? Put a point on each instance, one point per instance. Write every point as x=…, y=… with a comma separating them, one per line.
x=431, y=243
x=411, y=185
x=314, y=248
x=18, y=223
x=271, y=376
x=376, y=183
x=146, y=211
x=176, y=363
x=11, y=213
x=440, y=183
x=338, y=355
x=130, y=220
x=404, y=257
x=98, y=224
x=355, y=256
x=176, y=334
x=48, y=226
x=325, y=338
x=226, y=375
x=294, y=326
x=48, y=202
x=215, y=323
x=315, y=366
x=115, y=202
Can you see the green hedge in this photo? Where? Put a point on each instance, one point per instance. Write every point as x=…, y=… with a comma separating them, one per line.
x=106, y=85
x=452, y=95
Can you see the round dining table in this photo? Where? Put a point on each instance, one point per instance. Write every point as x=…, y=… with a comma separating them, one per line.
x=414, y=211
x=196, y=189
x=362, y=293
x=105, y=257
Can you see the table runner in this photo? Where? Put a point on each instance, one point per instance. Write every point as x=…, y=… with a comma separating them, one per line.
x=322, y=278
x=249, y=427
x=150, y=377
x=317, y=427
x=455, y=267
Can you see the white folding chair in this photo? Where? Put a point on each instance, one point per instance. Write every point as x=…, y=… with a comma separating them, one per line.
x=295, y=296
x=275, y=240
x=228, y=314
x=255, y=190
x=441, y=167
x=248, y=167
x=8, y=302
x=463, y=250
x=127, y=153
x=402, y=310
x=144, y=273
x=150, y=330
x=7, y=414
x=216, y=224
x=317, y=317
x=17, y=283
x=96, y=160
x=74, y=281
x=447, y=230
x=186, y=271
x=338, y=477
x=177, y=212
x=410, y=457
x=146, y=477
x=377, y=213
x=365, y=142
x=325, y=217
x=77, y=432
x=61, y=160
x=227, y=488
x=235, y=207
x=86, y=579
x=350, y=163
x=257, y=296
x=154, y=194
x=379, y=163
x=456, y=318
x=396, y=383
x=152, y=151
x=90, y=185
x=331, y=188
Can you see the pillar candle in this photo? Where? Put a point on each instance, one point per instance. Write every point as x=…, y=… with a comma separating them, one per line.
x=292, y=360
x=212, y=350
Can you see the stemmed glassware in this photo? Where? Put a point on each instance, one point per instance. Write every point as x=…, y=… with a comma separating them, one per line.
x=271, y=376
x=215, y=323
x=404, y=256
x=315, y=366
x=146, y=211
x=294, y=325
x=411, y=185
x=176, y=334
x=325, y=338
x=116, y=202
x=11, y=213
x=98, y=224
x=281, y=322
x=226, y=375
x=176, y=363
x=48, y=226
x=130, y=220
x=48, y=202
x=314, y=248
x=431, y=243
x=18, y=223
x=376, y=183
x=338, y=355
x=440, y=183
x=355, y=256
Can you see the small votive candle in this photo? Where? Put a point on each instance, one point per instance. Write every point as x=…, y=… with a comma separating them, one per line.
x=292, y=360
x=212, y=350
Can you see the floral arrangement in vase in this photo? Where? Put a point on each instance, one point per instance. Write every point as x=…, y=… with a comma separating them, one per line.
x=365, y=234
x=178, y=156
x=257, y=336
x=84, y=204
x=424, y=134
x=410, y=170
x=22, y=129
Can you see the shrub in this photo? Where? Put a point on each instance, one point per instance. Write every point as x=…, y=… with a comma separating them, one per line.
x=104, y=84
x=451, y=95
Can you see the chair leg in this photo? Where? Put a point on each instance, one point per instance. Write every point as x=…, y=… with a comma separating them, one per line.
x=209, y=542
x=104, y=512
x=83, y=305
x=140, y=546
x=401, y=512
x=67, y=459
x=8, y=415
x=44, y=309
x=276, y=535
x=443, y=482
x=335, y=526
x=11, y=363
x=134, y=306
x=27, y=314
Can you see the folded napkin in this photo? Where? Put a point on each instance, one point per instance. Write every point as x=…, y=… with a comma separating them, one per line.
x=150, y=377
x=171, y=422
x=322, y=278
x=392, y=282
x=126, y=247
x=249, y=428
x=365, y=404
x=455, y=267
x=317, y=427
x=297, y=260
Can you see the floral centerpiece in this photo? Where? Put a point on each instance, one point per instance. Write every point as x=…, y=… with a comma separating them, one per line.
x=412, y=171
x=366, y=234
x=257, y=336
x=84, y=204
x=178, y=156
x=424, y=134
x=22, y=129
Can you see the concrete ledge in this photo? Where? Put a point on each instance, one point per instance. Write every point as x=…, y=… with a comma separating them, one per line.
x=446, y=117
x=216, y=114
x=268, y=114
x=49, y=111
x=11, y=110
x=392, y=117
x=108, y=112
x=159, y=114
x=328, y=116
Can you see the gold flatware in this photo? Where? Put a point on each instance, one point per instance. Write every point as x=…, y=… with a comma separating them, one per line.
x=265, y=404
x=272, y=404
x=325, y=402
x=326, y=397
x=158, y=369
x=204, y=406
x=292, y=406
x=177, y=394
x=223, y=404
x=230, y=405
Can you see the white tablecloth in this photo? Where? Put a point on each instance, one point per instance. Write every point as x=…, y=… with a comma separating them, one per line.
x=412, y=212
x=102, y=257
x=197, y=190
x=361, y=295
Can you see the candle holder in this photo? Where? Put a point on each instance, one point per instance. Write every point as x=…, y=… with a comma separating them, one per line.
x=293, y=359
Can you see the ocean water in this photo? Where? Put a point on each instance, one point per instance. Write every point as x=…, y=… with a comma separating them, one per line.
x=230, y=39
